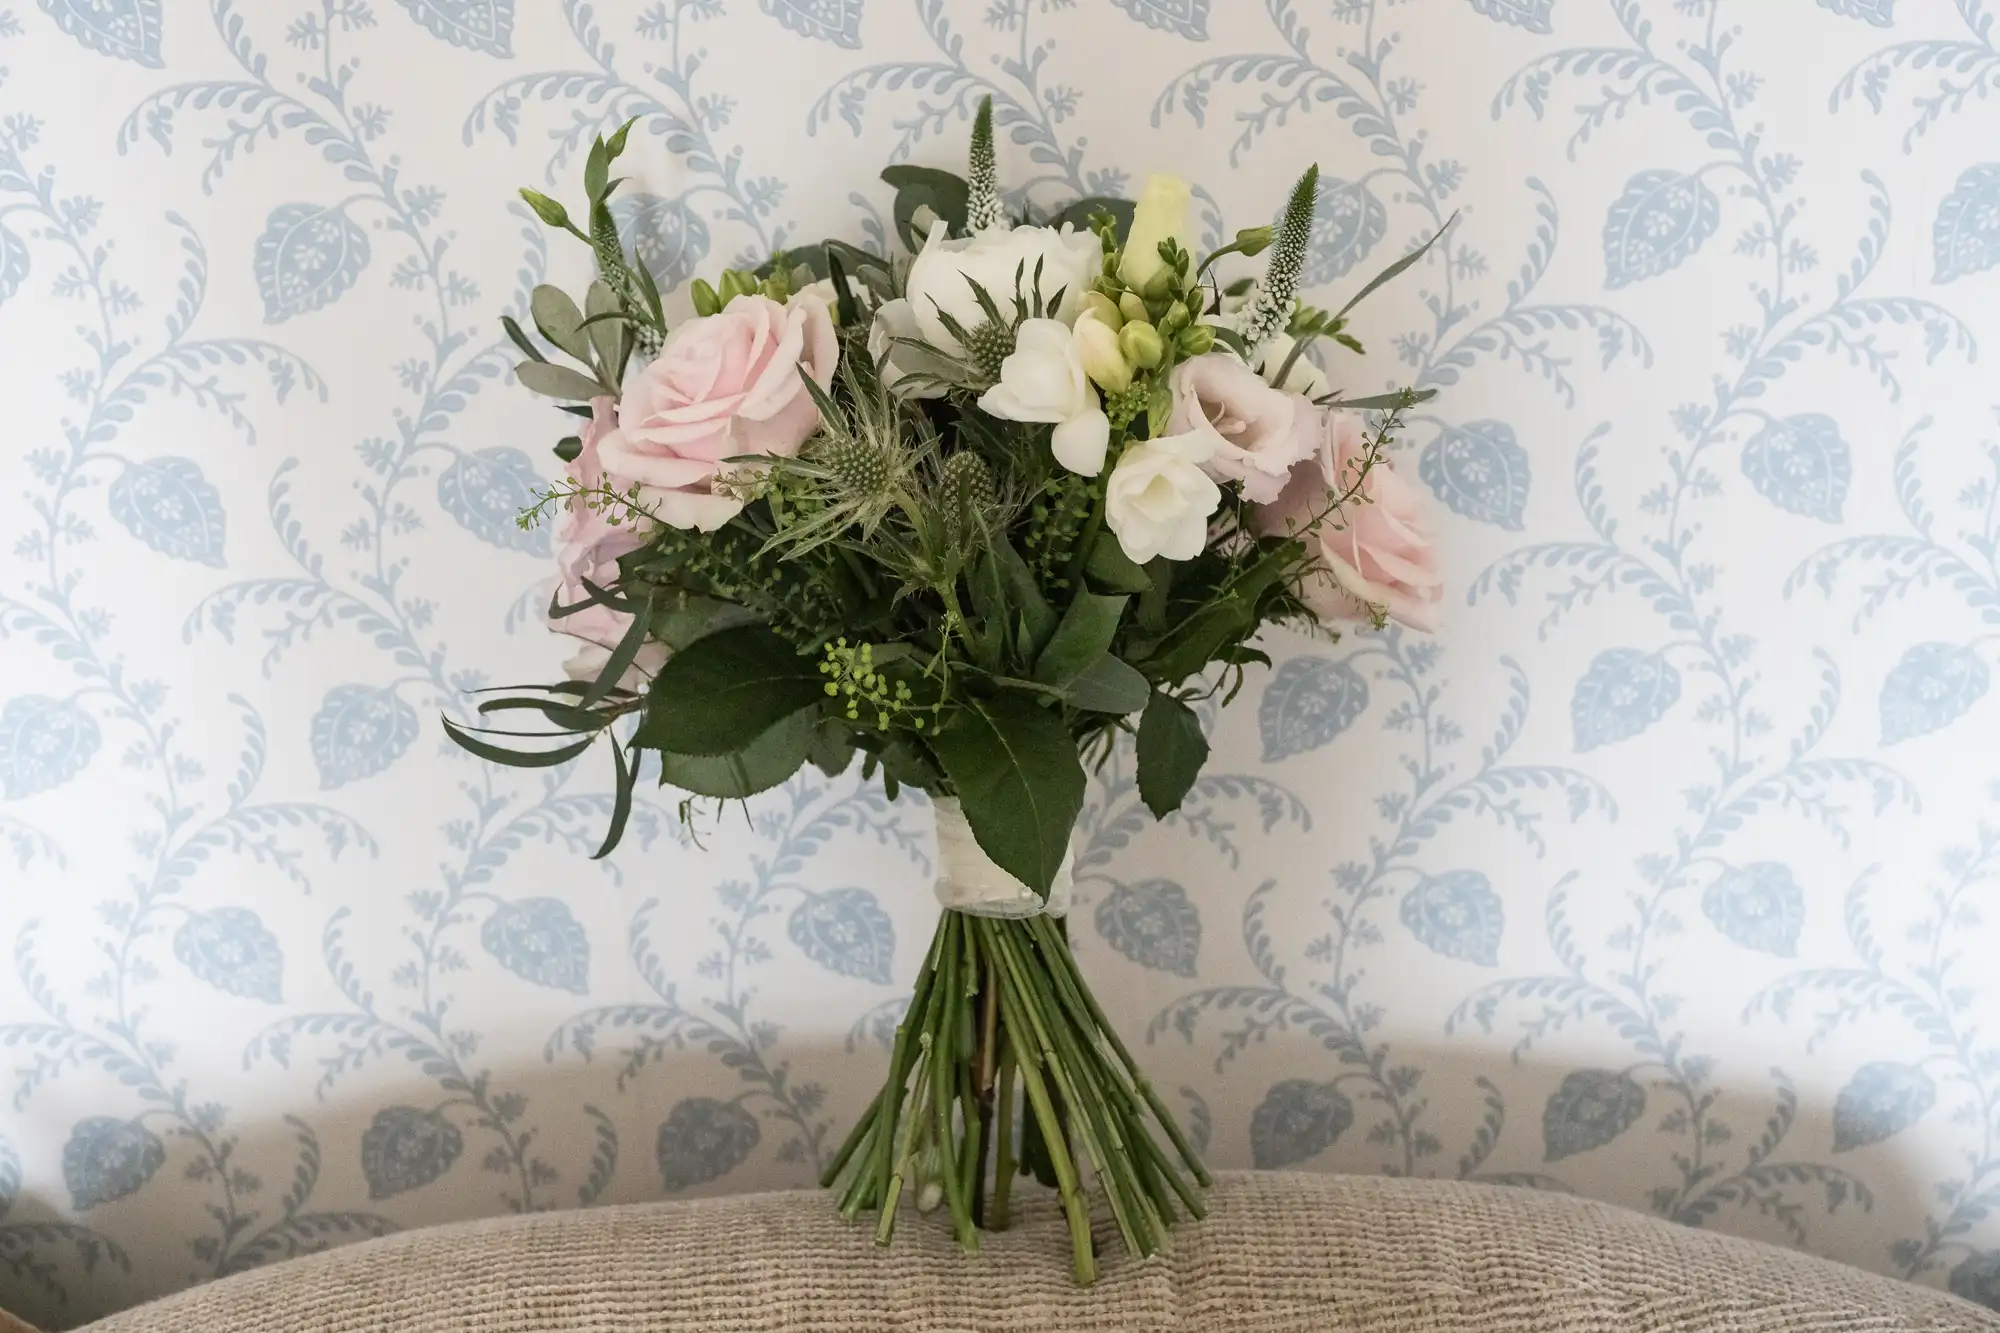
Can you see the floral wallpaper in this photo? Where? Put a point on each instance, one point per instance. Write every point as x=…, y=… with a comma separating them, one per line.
x=1665, y=874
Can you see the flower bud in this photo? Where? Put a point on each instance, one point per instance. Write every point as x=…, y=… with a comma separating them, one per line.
x=1161, y=285
x=1098, y=348
x=1142, y=344
x=1254, y=240
x=1161, y=215
x=735, y=283
x=706, y=301
x=1195, y=340
x=1104, y=308
x=1175, y=319
x=1133, y=306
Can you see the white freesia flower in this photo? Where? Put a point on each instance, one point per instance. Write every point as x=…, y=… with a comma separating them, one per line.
x=1160, y=216
x=1043, y=380
x=941, y=277
x=899, y=361
x=1158, y=499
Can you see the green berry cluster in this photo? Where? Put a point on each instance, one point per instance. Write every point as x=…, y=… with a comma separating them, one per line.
x=851, y=673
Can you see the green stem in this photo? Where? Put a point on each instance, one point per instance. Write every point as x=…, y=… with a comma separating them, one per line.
x=1003, y=1155
x=862, y=1125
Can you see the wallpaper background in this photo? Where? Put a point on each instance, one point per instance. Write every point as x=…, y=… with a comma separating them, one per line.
x=1664, y=874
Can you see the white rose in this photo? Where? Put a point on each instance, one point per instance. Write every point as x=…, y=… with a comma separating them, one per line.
x=1304, y=377
x=1253, y=427
x=1158, y=499
x=898, y=360
x=1043, y=380
x=1161, y=215
x=941, y=277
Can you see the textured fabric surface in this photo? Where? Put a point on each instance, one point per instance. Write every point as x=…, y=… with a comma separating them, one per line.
x=1280, y=1253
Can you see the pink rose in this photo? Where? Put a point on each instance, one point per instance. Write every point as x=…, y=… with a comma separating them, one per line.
x=1376, y=554
x=1256, y=428
x=588, y=544
x=723, y=386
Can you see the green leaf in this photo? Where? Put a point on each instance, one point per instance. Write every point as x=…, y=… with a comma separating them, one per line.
x=1109, y=567
x=611, y=337
x=558, y=319
x=697, y=617
x=616, y=143
x=1171, y=752
x=622, y=657
x=1380, y=402
x=722, y=692
x=1028, y=608
x=759, y=766
x=1081, y=639
x=916, y=187
x=1202, y=637
x=627, y=774
x=596, y=170
x=845, y=308
x=1015, y=768
x=520, y=339
x=553, y=381
x=562, y=754
x=1108, y=686
x=832, y=747
x=1395, y=270
x=569, y=448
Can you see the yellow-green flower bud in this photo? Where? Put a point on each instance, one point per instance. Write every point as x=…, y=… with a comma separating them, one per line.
x=1175, y=319
x=1161, y=285
x=1254, y=240
x=1133, y=306
x=706, y=300
x=1161, y=215
x=1195, y=339
x=1097, y=347
x=1142, y=344
x=1104, y=308
x=735, y=283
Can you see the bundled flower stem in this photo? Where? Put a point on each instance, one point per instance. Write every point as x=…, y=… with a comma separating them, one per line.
x=1004, y=1031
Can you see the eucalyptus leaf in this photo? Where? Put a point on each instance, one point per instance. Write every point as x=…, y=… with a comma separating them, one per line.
x=1171, y=751
x=1110, y=568
x=1015, y=769
x=553, y=381
x=556, y=315
x=1078, y=214
x=722, y=692
x=766, y=761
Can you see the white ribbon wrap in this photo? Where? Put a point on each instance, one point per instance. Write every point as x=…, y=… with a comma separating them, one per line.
x=969, y=882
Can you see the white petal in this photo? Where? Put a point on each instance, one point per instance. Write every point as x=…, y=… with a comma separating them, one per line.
x=1081, y=442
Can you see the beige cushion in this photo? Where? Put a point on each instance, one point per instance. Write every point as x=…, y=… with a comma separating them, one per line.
x=1278, y=1253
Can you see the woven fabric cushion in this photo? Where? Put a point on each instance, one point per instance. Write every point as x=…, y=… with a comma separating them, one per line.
x=1279, y=1253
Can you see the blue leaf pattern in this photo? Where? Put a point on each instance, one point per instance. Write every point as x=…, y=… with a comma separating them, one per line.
x=667, y=235
x=1348, y=223
x=44, y=742
x=1187, y=18
x=1153, y=923
x=1589, y=1109
x=1801, y=465
x=169, y=505
x=704, y=1140
x=539, y=940
x=846, y=932
x=1534, y=15
x=485, y=490
x=1933, y=686
x=1308, y=702
x=1296, y=1122
x=125, y=29
x=13, y=264
x=477, y=25
x=358, y=732
x=1965, y=239
x=1884, y=1098
x=405, y=1148
x=1760, y=906
x=1481, y=471
x=1656, y=224
x=232, y=950
x=1622, y=692
x=1881, y=13
x=836, y=21
x=107, y=1158
x=1456, y=914
x=307, y=257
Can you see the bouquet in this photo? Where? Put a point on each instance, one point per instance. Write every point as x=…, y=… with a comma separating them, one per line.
x=977, y=515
